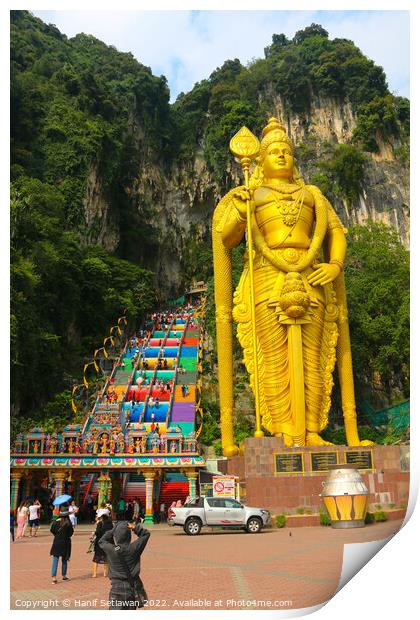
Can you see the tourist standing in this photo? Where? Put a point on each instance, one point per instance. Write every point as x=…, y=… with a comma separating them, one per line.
x=12, y=524
x=90, y=509
x=73, y=510
x=120, y=509
x=34, y=516
x=163, y=512
x=127, y=590
x=62, y=530
x=102, y=510
x=129, y=511
x=104, y=524
x=136, y=511
x=22, y=519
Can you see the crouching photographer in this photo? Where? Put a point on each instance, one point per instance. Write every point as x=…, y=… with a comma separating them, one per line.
x=127, y=590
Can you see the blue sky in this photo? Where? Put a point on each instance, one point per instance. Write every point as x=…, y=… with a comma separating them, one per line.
x=186, y=46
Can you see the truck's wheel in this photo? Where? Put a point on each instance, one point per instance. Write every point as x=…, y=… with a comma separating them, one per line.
x=254, y=525
x=193, y=526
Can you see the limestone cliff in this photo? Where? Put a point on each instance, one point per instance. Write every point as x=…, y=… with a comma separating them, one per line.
x=177, y=204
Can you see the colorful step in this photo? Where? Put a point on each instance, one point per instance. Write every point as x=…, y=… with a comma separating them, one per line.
x=189, y=352
x=156, y=342
x=188, y=378
x=170, y=351
x=172, y=342
x=136, y=393
x=160, y=413
x=161, y=395
x=188, y=363
x=186, y=428
x=153, y=361
x=183, y=412
x=167, y=375
x=151, y=352
x=136, y=412
x=188, y=342
x=190, y=396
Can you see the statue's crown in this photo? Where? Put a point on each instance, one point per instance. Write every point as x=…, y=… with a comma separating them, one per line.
x=274, y=132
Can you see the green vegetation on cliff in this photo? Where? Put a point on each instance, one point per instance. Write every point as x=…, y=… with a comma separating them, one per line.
x=64, y=295
x=71, y=104
x=300, y=70
x=378, y=291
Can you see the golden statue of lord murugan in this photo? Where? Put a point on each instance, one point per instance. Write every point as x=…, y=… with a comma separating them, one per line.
x=290, y=304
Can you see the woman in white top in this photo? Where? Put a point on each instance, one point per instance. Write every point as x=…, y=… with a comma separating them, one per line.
x=22, y=519
x=73, y=510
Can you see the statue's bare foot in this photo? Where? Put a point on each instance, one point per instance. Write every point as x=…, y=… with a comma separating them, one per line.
x=354, y=442
x=288, y=441
x=230, y=450
x=313, y=439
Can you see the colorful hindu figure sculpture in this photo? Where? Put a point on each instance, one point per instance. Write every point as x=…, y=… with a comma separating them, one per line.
x=53, y=445
x=299, y=312
x=104, y=442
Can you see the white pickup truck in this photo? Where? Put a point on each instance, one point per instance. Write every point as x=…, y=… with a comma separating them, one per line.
x=222, y=512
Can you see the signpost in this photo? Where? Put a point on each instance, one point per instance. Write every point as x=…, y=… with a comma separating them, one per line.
x=224, y=486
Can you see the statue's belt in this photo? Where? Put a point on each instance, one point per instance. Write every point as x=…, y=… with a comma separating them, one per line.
x=290, y=255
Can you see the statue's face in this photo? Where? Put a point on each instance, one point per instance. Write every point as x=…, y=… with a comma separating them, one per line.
x=278, y=161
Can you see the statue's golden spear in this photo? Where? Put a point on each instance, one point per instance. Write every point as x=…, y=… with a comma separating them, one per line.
x=245, y=146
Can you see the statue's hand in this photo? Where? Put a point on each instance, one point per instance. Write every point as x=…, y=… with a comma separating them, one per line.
x=239, y=198
x=324, y=274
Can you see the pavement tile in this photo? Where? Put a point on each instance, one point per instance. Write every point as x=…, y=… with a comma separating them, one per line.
x=288, y=568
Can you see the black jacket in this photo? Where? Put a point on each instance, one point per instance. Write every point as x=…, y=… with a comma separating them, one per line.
x=131, y=551
x=101, y=528
x=63, y=532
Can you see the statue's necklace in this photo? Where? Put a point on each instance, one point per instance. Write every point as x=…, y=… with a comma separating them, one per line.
x=289, y=210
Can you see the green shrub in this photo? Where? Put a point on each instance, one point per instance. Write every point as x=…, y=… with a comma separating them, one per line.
x=324, y=519
x=217, y=445
x=281, y=520
x=369, y=518
x=344, y=170
x=380, y=516
x=300, y=511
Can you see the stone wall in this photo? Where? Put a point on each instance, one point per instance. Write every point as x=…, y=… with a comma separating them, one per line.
x=387, y=482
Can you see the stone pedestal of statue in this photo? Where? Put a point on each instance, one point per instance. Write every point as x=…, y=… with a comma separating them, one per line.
x=285, y=479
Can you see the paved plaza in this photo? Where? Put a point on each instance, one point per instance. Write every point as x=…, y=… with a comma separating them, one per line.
x=287, y=568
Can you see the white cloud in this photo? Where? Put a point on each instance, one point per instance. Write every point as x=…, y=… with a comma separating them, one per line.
x=187, y=46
